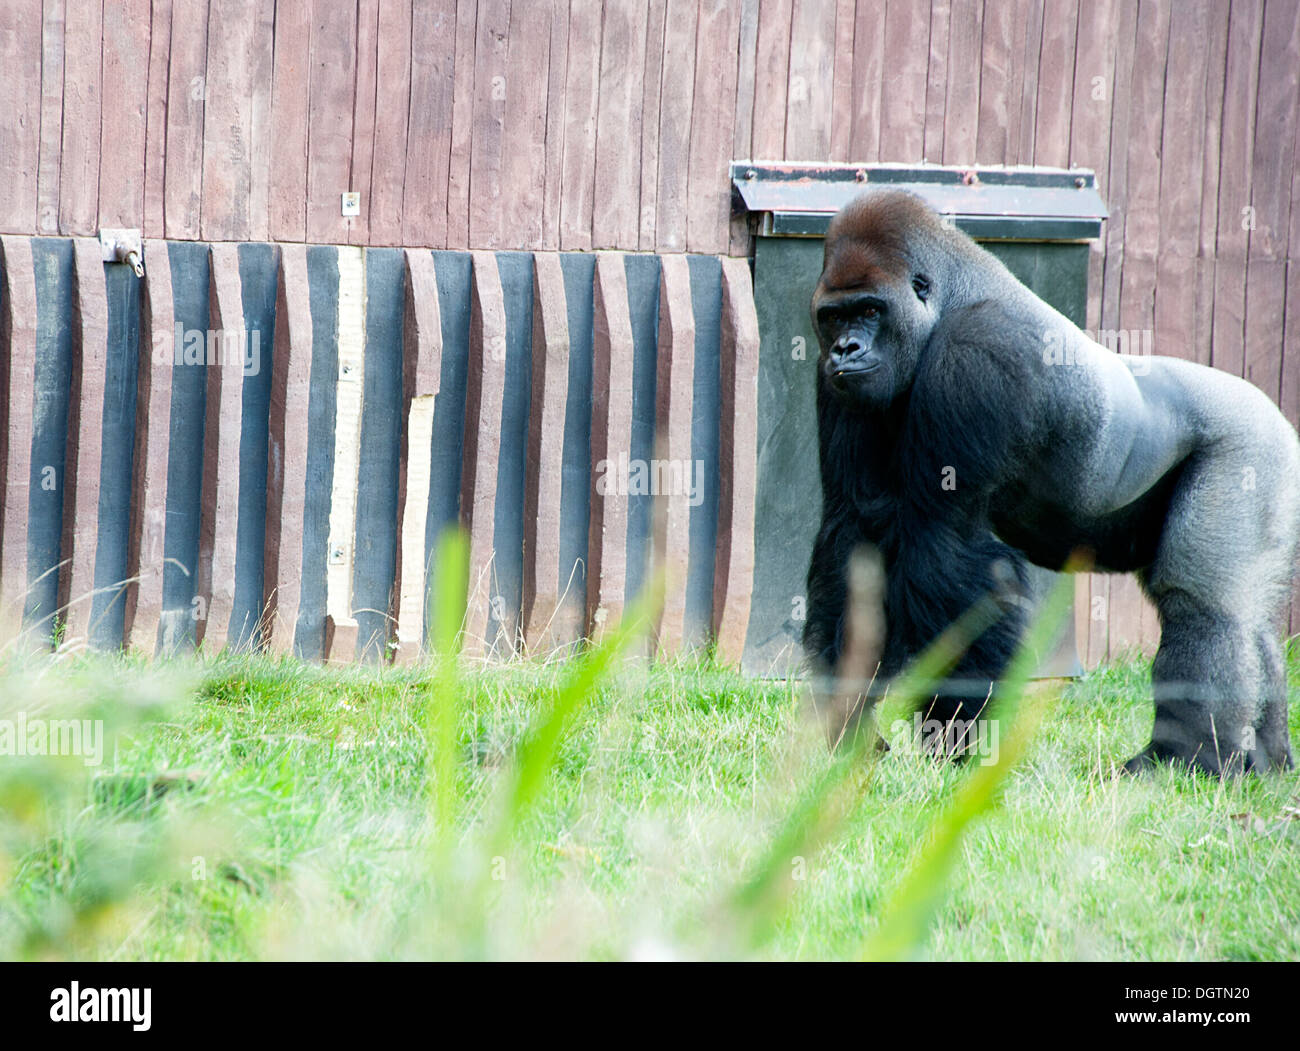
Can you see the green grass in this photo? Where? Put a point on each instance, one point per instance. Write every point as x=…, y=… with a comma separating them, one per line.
x=253, y=809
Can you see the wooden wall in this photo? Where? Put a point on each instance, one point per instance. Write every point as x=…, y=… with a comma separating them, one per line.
x=577, y=124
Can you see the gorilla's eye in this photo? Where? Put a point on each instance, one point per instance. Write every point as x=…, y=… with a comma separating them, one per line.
x=921, y=286
x=869, y=311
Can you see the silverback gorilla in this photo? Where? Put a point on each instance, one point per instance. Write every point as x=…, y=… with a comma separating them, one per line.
x=964, y=423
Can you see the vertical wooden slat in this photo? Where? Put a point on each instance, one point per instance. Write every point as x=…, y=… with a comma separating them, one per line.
x=615, y=221
x=675, y=103
x=227, y=123
x=81, y=465
x=1180, y=183
x=1215, y=58
x=286, y=461
x=261, y=69
x=651, y=89
x=1237, y=145
x=51, y=129
x=709, y=207
x=331, y=89
x=492, y=81
x=998, y=64
x=223, y=417
x=733, y=573
x=936, y=79
x=674, y=393
x=153, y=413
x=484, y=394
x=186, y=101
x=1275, y=132
x=123, y=112
x=20, y=130
x=543, y=481
x=771, y=78
x=287, y=201
x=155, y=139
x=421, y=374
x=962, y=105
x=903, y=86
x=611, y=437
x=462, y=126
x=17, y=403
x=519, y=214
x=341, y=631
x=868, y=69
x=384, y=195
x=1055, y=83
x=433, y=76
x=1116, y=182
x=743, y=120
x=82, y=84
x=364, y=117
x=811, y=85
x=1030, y=42
x=557, y=76
x=841, y=106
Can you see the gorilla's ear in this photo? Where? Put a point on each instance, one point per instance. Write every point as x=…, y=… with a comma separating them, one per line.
x=921, y=286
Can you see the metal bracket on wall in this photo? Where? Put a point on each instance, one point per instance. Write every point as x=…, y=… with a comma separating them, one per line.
x=123, y=246
x=991, y=204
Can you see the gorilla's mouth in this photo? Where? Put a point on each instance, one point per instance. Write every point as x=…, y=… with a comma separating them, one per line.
x=848, y=379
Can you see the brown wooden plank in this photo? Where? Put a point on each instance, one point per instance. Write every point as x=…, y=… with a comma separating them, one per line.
x=155, y=138
x=186, y=102
x=708, y=211
x=1116, y=182
x=153, y=412
x=1180, y=189
x=676, y=100
x=544, y=626
x=384, y=194
x=611, y=437
x=286, y=465
x=519, y=213
x=962, y=106
x=20, y=130
x=557, y=74
x=483, y=406
x=1031, y=16
x=651, y=88
x=771, y=78
x=261, y=131
x=615, y=222
x=462, y=127
x=287, y=201
x=1215, y=57
x=433, y=77
x=1090, y=120
x=936, y=89
x=868, y=69
x=733, y=572
x=227, y=122
x=123, y=111
x=742, y=142
x=17, y=406
x=364, y=116
x=422, y=370
x=223, y=415
x=841, y=106
x=81, y=465
x=999, y=100
x=903, y=86
x=674, y=394
x=1056, y=62
x=812, y=80
x=51, y=134
x=82, y=82
x=331, y=88
x=1265, y=306
x=1236, y=151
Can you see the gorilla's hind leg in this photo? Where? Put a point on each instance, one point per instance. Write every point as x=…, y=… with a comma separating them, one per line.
x=1209, y=686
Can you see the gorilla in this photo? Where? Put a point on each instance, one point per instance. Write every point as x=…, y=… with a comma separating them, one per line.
x=966, y=427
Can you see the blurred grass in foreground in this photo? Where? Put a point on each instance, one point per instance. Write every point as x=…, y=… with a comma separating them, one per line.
x=608, y=809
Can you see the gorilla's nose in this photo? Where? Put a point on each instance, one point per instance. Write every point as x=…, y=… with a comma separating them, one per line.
x=845, y=347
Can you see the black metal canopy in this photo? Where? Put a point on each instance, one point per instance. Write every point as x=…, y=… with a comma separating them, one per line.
x=990, y=203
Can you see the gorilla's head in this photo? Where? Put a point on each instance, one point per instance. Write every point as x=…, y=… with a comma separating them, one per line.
x=875, y=304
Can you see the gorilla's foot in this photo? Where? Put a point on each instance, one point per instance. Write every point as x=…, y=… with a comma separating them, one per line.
x=1204, y=759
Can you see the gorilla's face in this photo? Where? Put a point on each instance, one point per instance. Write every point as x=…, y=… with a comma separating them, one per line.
x=872, y=308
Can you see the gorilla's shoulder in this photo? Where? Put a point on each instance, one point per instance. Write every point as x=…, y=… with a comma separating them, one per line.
x=982, y=350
